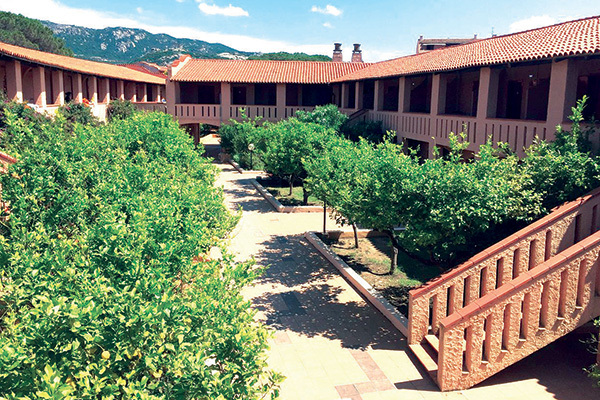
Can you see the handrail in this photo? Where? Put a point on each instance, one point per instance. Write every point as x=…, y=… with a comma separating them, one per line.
x=521, y=317
x=500, y=263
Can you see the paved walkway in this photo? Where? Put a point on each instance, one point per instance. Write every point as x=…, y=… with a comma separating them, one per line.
x=331, y=344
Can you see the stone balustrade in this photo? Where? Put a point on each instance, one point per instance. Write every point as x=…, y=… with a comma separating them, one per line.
x=500, y=264
x=520, y=317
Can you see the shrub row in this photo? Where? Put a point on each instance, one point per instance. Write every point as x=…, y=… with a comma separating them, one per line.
x=103, y=289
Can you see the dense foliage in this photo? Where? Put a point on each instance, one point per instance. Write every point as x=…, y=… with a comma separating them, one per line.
x=26, y=32
x=120, y=109
x=287, y=144
x=565, y=168
x=443, y=208
x=370, y=130
x=104, y=289
x=237, y=136
x=77, y=113
x=328, y=115
x=284, y=56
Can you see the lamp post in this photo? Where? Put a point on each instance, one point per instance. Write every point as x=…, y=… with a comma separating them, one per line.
x=251, y=149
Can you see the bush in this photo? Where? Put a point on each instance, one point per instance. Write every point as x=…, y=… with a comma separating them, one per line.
x=120, y=109
x=104, y=294
x=328, y=116
x=288, y=144
x=236, y=136
x=564, y=169
x=77, y=113
x=370, y=130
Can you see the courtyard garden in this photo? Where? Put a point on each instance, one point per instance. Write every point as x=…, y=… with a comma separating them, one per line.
x=107, y=286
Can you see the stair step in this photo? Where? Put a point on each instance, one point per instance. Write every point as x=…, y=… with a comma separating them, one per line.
x=434, y=342
x=426, y=359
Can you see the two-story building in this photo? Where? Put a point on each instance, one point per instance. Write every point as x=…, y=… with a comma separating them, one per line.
x=46, y=81
x=508, y=88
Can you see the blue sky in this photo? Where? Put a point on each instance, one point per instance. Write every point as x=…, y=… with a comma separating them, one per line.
x=385, y=28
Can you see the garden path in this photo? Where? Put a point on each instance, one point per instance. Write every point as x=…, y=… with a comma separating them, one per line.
x=331, y=344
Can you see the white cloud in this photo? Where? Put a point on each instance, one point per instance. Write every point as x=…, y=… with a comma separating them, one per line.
x=329, y=9
x=229, y=11
x=328, y=25
x=533, y=22
x=139, y=10
x=180, y=1
x=53, y=10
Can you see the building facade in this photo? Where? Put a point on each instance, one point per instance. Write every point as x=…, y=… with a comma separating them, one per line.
x=46, y=81
x=510, y=88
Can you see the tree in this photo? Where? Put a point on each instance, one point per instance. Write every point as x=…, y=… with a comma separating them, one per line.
x=26, y=32
x=430, y=210
x=287, y=143
x=328, y=115
x=565, y=168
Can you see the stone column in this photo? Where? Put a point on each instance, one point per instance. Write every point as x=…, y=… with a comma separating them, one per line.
x=59, y=87
x=94, y=89
x=563, y=91
x=39, y=86
x=172, y=98
x=435, y=94
x=105, y=90
x=144, y=96
x=78, y=88
x=225, y=101
x=158, y=97
x=344, y=95
x=358, y=101
x=403, y=95
x=120, y=90
x=487, y=101
x=280, y=100
x=378, y=95
x=14, y=81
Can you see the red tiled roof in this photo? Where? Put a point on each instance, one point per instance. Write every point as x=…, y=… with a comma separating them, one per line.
x=141, y=68
x=78, y=65
x=560, y=40
x=263, y=71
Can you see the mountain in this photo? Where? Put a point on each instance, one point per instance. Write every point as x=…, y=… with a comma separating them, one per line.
x=126, y=45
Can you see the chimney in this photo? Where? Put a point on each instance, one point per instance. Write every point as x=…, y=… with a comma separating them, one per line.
x=357, y=53
x=475, y=36
x=337, y=53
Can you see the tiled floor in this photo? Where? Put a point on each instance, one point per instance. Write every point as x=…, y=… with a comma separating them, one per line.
x=330, y=344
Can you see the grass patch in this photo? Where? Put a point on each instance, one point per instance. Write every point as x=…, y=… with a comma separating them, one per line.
x=372, y=261
x=281, y=190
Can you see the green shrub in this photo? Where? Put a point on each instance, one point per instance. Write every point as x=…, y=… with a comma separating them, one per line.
x=120, y=109
x=237, y=136
x=103, y=292
x=564, y=169
x=370, y=130
x=329, y=116
x=77, y=113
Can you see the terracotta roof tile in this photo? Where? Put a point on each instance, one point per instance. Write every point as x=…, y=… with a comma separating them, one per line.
x=560, y=40
x=78, y=65
x=263, y=71
x=141, y=68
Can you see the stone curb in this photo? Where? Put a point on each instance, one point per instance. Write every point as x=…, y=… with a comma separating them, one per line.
x=377, y=300
x=280, y=207
x=241, y=170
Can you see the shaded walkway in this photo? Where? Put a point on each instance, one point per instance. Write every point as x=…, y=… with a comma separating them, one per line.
x=331, y=344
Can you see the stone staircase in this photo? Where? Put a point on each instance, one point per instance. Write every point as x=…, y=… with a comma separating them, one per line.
x=511, y=299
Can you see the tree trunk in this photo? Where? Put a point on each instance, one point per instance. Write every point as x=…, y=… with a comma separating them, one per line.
x=305, y=194
x=355, y=229
x=395, y=248
x=291, y=186
x=324, y=217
